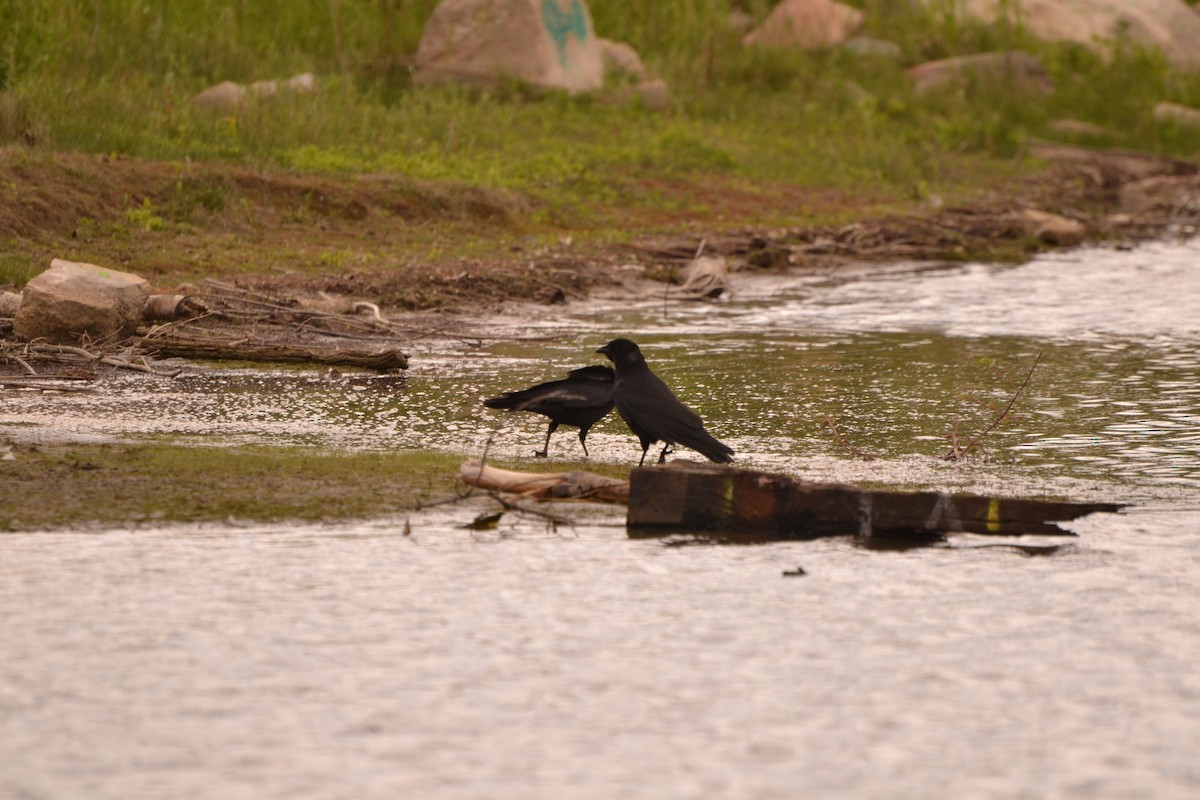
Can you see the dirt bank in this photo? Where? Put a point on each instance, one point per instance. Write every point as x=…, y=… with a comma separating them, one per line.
x=409, y=246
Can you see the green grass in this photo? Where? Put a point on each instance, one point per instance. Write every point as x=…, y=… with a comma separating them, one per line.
x=89, y=485
x=116, y=77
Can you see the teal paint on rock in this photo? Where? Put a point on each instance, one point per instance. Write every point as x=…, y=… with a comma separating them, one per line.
x=561, y=24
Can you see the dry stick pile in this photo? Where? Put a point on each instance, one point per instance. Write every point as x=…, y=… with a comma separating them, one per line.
x=71, y=366
x=245, y=326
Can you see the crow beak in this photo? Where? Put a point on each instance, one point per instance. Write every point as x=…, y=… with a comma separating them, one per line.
x=603, y=350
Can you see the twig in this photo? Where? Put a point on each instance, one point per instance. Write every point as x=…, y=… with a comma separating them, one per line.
x=513, y=505
x=143, y=366
x=865, y=456
x=24, y=364
x=46, y=385
x=955, y=454
x=63, y=349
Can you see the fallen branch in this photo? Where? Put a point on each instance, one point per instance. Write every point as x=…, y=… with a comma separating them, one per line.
x=45, y=384
x=573, y=485
x=178, y=339
x=956, y=453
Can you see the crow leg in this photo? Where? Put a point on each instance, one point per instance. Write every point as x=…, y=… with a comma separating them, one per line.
x=662, y=457
x=644, y=449
x=583, y=441
x=545, y=451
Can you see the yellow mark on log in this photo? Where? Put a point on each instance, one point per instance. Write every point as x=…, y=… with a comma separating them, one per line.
x=993, y=519
x=727, y=497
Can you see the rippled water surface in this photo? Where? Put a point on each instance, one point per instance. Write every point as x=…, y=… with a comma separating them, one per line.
x=357, y=661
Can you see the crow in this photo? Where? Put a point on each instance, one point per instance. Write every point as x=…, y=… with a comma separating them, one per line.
x=579, y=400
x=652, y=411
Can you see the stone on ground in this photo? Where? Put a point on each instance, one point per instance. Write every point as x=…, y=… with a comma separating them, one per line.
x=1169, y=25
x=806, y=24
x=72, y=302
x=547, y=43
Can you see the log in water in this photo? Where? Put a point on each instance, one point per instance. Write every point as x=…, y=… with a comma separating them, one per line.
x=702, y=498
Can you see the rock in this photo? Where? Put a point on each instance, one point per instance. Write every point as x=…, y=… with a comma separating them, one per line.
x=302, y=83
x=229, y=94
x=1169, y=25
x=1019, y=67
x=1051, y=228
x=740, y=21
x=548, y=43
x=224, y=95
x=71, y=301
x=1076, y=127
x=806, y=24
x=868, y=47
x=654, y=95
x=1168, y=194
x=621, y=59
x=10, y=303
x=1182, y=115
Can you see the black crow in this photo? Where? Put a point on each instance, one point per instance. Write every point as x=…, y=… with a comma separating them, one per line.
x=652, y=411
x=580, y=400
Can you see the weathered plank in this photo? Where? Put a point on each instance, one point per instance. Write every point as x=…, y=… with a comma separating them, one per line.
x=722, y=500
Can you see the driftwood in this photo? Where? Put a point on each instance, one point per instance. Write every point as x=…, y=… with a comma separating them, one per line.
x=264, y=345
x=573, y=485
x=170, y=307
x=240, y=325
x=746, y=505
x=69, y=361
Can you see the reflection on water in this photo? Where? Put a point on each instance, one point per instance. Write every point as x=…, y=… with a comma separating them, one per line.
x=358, y=661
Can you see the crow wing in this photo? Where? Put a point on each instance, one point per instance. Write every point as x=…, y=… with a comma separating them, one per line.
x=652, y=410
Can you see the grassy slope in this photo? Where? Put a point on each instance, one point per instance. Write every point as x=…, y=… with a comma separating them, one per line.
x=116, y=78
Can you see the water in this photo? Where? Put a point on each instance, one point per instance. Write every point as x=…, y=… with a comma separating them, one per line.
x=528, y=662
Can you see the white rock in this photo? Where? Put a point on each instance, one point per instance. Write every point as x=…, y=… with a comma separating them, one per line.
x=224, y=95
x=806, y=24
x=1174, y=112
x=72, y=301
x=229, y=94
x=621, y=58
x=1169, y=25
x=547, y=43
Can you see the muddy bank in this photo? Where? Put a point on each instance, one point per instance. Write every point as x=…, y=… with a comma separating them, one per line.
x=409, y=246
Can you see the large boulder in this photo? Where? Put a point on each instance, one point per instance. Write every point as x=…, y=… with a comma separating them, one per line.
x=547, y=43
x=73, y=301
x=1169, y=25
x=806, y=24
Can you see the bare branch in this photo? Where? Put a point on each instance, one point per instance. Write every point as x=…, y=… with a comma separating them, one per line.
x=955, y=453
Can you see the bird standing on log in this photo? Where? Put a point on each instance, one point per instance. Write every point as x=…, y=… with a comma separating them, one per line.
x=651, y=409
x=579, y=400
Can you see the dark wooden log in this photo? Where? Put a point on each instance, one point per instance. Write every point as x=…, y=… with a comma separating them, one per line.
x=739, y=503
